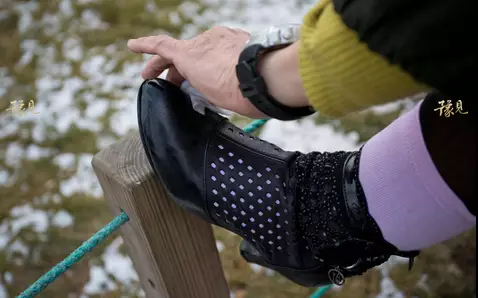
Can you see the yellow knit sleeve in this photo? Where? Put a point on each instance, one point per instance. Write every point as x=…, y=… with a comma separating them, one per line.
x=339, y=73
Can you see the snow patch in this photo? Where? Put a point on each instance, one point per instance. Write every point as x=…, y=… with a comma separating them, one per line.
x=8, y=276
x=3, y=291
x=3, y=177
x=13, y=154
x=99, y=281
x=119, y=265
x=24, y=216
x=65, y=160
x=388, y=289
x=306, y=136
x=17, y=246
x=219, y=246
x=84, y=180
x=387, y=286
x=62, y=219
x=256, y=268
x=4, y=235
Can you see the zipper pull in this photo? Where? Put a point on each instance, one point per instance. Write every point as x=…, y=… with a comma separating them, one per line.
x=336, y=276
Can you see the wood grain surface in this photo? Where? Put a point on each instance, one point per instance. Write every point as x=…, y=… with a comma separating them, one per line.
x=173, y=252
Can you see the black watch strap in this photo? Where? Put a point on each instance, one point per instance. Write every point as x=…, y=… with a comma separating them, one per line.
x=254, y=88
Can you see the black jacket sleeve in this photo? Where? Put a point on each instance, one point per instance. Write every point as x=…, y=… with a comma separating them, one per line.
x=451, y=142
x=433, y=40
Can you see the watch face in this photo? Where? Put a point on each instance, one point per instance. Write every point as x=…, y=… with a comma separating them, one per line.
x=275, y=36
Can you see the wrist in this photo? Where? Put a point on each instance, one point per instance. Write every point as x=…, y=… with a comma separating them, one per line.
x=280, y=71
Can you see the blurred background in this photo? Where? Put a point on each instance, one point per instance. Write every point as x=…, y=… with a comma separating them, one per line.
x=67, y=61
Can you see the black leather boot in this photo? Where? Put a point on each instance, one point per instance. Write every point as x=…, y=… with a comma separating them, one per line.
x=303, y=215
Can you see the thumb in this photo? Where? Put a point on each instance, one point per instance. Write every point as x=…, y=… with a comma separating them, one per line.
x=174, y=76
x=155, y=66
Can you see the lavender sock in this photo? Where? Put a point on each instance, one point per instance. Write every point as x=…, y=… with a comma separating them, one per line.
x=407, y=197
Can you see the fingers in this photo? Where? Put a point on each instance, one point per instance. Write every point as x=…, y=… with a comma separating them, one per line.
x=155, y=66
x=174, y=76
x=161, y=45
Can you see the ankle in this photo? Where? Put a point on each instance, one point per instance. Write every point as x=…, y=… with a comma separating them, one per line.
x=332, y=214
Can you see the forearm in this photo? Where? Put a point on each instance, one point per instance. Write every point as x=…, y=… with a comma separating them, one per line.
x=330, y=69
x=280, y=70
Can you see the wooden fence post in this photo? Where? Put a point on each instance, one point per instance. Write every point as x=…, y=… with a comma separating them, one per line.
x=173, y=252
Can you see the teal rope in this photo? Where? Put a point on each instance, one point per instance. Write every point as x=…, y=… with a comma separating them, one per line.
x=254, y=125
x=320, y=292
x=74, y=257
x=60, y=268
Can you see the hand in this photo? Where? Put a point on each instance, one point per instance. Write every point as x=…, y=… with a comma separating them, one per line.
x=207, y=61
